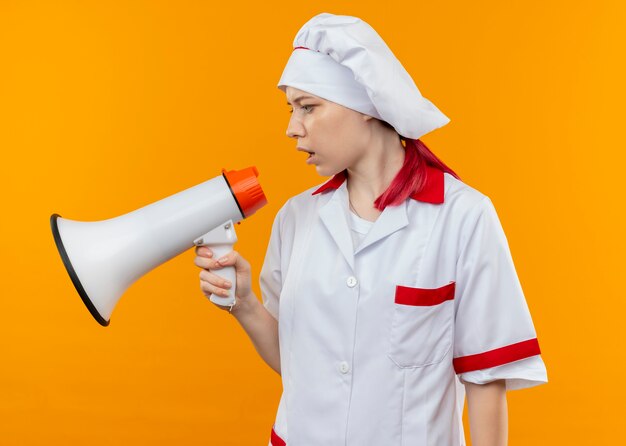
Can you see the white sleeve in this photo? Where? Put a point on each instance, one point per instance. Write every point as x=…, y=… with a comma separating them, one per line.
x=494, y=333
x=270, y=278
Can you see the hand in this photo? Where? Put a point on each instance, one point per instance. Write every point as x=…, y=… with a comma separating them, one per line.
x=211, y=283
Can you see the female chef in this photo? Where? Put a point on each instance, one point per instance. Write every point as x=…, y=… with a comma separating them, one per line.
x=389, y=291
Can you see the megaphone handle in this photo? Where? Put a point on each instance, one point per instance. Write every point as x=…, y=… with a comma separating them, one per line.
x=227, y=272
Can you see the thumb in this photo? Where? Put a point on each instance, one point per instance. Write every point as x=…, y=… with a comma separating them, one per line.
x=233, y=258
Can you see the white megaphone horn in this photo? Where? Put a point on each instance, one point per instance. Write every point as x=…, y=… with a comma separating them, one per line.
x=103, y=258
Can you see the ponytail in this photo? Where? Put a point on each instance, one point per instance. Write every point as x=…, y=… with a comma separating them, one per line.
x=411, y=178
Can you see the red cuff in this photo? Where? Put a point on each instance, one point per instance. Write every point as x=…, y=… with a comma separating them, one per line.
x=496, y=357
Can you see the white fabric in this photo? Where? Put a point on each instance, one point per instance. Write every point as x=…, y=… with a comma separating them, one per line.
x=319, y=74
x=535, y=374
x=354, y=67
x=359, y=227
x=359, y=369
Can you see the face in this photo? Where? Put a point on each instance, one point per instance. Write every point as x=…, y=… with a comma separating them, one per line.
x=337, y=136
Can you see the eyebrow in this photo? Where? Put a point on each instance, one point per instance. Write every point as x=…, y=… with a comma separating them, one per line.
x=299, y=98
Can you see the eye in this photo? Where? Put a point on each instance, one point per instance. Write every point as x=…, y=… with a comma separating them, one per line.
x=306, y=108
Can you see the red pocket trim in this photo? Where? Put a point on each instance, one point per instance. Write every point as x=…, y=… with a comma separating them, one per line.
x=276, y=440
x=424, y=296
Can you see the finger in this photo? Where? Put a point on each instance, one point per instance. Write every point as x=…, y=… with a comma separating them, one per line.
x=203, y=251
x=203, y=262
x=226, y=259
x=209, y=289
x=214, y=279
x=234, y=258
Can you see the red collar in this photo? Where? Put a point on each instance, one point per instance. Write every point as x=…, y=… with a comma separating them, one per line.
x=431, y=193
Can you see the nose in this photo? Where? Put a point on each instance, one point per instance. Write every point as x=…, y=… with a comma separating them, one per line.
x=295, y=128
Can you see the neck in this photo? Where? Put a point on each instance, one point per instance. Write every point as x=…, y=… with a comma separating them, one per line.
x=373, y=173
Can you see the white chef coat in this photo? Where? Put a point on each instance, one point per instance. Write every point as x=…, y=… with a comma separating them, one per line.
x=375, y=342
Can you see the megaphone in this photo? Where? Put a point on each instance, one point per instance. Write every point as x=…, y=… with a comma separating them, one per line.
x=103, y=258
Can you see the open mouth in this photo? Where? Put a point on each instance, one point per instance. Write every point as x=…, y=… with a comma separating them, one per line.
x=309, y=152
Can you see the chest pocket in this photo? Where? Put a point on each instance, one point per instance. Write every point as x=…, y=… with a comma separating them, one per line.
x=422, y=325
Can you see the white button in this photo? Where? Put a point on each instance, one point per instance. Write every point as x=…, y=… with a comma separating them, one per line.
x=344, y=367
x=351, y=282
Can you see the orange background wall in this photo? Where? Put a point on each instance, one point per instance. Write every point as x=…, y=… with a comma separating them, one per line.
x=108, y=106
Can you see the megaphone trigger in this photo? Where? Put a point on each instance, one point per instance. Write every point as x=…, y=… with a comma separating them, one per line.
x=221, y=241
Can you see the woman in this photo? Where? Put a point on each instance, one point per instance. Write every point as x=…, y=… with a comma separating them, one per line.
x=392, y=283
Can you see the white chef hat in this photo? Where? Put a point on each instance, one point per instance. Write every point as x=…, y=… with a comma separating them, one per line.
x=343, y=59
